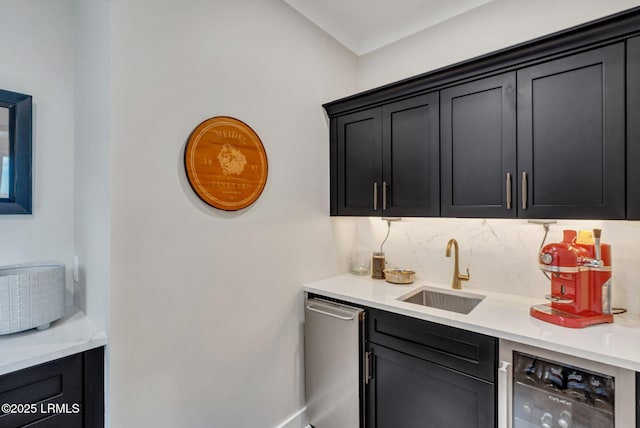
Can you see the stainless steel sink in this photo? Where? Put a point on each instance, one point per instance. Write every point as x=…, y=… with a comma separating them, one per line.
x=454, y=301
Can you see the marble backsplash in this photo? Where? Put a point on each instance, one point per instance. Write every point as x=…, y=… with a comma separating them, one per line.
x=501, y=254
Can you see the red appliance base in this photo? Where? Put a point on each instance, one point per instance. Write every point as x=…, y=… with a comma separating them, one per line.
x=567, y=319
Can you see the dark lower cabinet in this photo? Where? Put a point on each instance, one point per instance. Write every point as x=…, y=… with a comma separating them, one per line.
x=424, y=374
x=406, y=391
x=637, y=400
x=68, y=392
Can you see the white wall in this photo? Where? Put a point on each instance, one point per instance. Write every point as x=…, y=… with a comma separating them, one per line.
x=206, y=305
x=92, y=165
x=92, y=190
x=37, y=59
x=495, y=25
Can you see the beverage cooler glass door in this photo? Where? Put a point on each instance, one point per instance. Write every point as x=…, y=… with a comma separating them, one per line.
x=541, y=388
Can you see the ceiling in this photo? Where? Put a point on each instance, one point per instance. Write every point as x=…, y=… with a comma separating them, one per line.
x=366, y=25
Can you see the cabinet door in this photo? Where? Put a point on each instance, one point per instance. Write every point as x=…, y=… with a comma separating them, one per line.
x=571, y=139
x=53, y=389
x=478, y=144
x=633, y=128
x=408, y=392
x=411, y=157
x=462, y=350
x=358, y=164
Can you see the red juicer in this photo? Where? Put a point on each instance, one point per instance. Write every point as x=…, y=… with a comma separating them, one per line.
x=580, y=282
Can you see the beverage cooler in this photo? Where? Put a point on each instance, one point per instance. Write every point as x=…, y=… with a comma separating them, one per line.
x=541, y=388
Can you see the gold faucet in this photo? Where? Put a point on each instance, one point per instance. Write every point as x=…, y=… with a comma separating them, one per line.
x=457, y=276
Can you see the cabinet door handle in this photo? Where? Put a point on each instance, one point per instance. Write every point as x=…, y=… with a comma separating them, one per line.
x=524, y=190
x=367, y=367
x=375, y=196
x=384, y=195
x=508, y=190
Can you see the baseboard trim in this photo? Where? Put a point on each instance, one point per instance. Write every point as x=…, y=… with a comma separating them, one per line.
x=297, y=420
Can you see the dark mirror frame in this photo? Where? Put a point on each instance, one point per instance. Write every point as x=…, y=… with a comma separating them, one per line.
x=20, y=134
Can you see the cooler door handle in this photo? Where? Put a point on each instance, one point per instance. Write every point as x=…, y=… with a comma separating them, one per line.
x=503, y=394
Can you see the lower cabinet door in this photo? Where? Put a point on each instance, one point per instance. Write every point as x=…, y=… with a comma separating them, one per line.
x=45, y=396
x=407, y=392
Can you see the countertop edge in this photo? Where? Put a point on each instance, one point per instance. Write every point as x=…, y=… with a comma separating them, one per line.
x=72, y=334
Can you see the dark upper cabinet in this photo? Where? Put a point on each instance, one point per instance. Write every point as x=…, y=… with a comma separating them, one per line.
x=385, y=160
x=571, y=138
x=411, y=157
x=478, y=143
x=566, y=157
x=546, y=129
x=633, y=128
x=358, y=163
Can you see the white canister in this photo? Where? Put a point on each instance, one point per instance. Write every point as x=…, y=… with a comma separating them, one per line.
x=31, y=296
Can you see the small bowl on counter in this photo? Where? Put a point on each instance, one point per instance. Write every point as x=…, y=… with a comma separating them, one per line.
x=399, y=276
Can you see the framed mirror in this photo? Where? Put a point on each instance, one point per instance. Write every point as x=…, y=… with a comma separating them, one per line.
x=15, y=152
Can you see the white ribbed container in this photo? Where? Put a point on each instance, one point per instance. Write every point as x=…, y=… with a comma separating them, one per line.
x=31, y=296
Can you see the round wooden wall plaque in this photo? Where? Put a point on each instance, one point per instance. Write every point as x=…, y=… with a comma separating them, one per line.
x=226, y=163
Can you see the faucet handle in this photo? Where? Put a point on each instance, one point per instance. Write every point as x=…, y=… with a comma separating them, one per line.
x=466, y=277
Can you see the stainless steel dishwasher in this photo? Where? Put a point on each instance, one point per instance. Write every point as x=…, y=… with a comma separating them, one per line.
x=334, y=356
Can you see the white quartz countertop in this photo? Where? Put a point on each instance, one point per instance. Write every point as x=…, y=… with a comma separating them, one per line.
x=69, y=335
x=500, y=315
